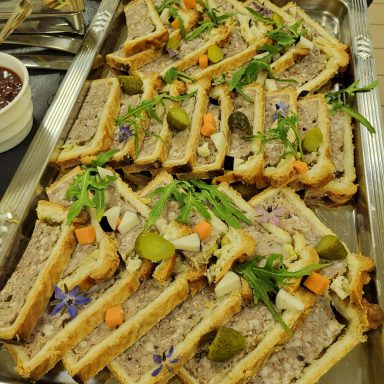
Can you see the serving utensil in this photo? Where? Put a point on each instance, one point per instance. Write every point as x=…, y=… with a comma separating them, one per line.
x=47, y=62
x=22, y=11
x=57, y=42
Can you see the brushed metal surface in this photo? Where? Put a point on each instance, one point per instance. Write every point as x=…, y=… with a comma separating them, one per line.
x=360, y=223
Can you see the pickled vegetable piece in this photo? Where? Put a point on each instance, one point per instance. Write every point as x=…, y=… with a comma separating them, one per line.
x=215, y=54
x=153, y=247
x=173, y=43
x=238, y=120
x=277, y=18
x=132, y=85
x=178, y=119
x=226, y=344
x=312, y=140
x=331, y=248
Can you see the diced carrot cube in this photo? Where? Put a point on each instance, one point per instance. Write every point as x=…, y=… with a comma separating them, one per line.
x=300, y=167
x=203, y=229
x=189, y=4
x=114, y=316
x=317, y=283
x=203, y=61
x=86, y=235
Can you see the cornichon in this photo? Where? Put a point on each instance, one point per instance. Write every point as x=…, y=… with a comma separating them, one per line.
x=215, y=54
x=226, y=344
x=178, y=119
x=312, y=140
x=132, y=85
x=331, y=248
x=153, y=247
x=173, y=43
x=238, y=120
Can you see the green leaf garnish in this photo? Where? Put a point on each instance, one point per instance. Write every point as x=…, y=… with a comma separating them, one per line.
x=269, y=279
x=287, y=35
x=334, y=98
x=196, y=195
x=259, y=17
x=87, y=189
x=173, y=74
x=135, y=115
x=173, y=11
x=280, y=132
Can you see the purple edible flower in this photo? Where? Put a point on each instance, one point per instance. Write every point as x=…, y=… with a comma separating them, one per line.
x=281, y=109
x=124, y=133
x=164, y=360
x=270, y=214
x=264, y=11
x=172, y=52
x=69, y=299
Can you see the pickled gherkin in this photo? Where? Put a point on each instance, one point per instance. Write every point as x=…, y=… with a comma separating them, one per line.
x=226, y=344
x=331, y=248
x=238, y=120
x=277, y=18
x=173, y=43
x=132, y=85
x=312, y=140
x=215, y=54
x=153, y=247
x=178, y=119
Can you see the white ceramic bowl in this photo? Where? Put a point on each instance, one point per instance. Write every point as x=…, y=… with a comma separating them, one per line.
x=16, y=118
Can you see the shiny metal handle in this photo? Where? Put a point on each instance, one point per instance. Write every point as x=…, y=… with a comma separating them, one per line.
x=22, y=11
x=371, y=144
x=58, y=43
x=27, y=177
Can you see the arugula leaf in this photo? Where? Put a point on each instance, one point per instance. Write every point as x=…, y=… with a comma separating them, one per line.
x=87, y=188
x=259, y=17
x=269, y=279
x=173, y=74
x=195, y=195
x=280, y=132
x=334, y=98
x=174, y=12
x=205, y=25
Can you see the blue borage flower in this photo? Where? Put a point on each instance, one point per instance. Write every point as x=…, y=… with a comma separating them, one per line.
x=68, y=299
x=282, y=109
x=165, y=360
x=270, y=214
x=263, y=10
x=124, y=133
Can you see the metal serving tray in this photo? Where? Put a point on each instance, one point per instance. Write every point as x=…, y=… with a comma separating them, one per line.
x=360, y=224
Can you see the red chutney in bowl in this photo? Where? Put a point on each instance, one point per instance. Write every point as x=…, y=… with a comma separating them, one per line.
x=10, y=86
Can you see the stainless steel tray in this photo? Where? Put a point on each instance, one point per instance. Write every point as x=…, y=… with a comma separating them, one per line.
x=360, y=224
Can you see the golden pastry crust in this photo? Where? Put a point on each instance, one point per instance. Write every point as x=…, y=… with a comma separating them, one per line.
x=73, y=332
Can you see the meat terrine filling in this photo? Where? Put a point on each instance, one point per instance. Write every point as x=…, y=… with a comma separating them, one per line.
x=169, y=332
x=253, y=322
x=152, y=140
x=147, y=293
x=49, y=326
x=239, y=147
x=120, y=136
x=305, y=69
x=308, y=118
x=33, y=261
x=179, y=146
x=288, y=217
x=319, y=330
x=274, y=150
x=213, y=152
x=90, y=115
x=139, y=21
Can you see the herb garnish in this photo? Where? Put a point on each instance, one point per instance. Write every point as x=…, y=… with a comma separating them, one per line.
x=284, y=124
x=135, y=116
x=166, y=359
x=334, y=98
x=196, y=195
x=214, y=20
x=269, y=279
x=173, y=11
x=87, y=189
x=173, y=74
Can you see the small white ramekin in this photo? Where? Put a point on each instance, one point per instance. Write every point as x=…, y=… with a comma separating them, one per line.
x=16, y=118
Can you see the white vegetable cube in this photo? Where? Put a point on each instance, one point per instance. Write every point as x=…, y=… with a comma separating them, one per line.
x=227, y=284
x=188, y=243
x=112, y=215
x=285, y=300
x=129, y=221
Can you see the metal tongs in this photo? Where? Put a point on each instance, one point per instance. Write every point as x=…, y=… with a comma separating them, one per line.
x=22, y=11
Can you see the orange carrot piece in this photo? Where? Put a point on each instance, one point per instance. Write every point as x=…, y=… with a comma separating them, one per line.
x=317, y=283
x=300, y=167
x=114, y=316
x=209, y=118
x=86, y=235
x=203, y=229
x=175, y=24
x=203, y=61
x=189, y=4
x=207, y=129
